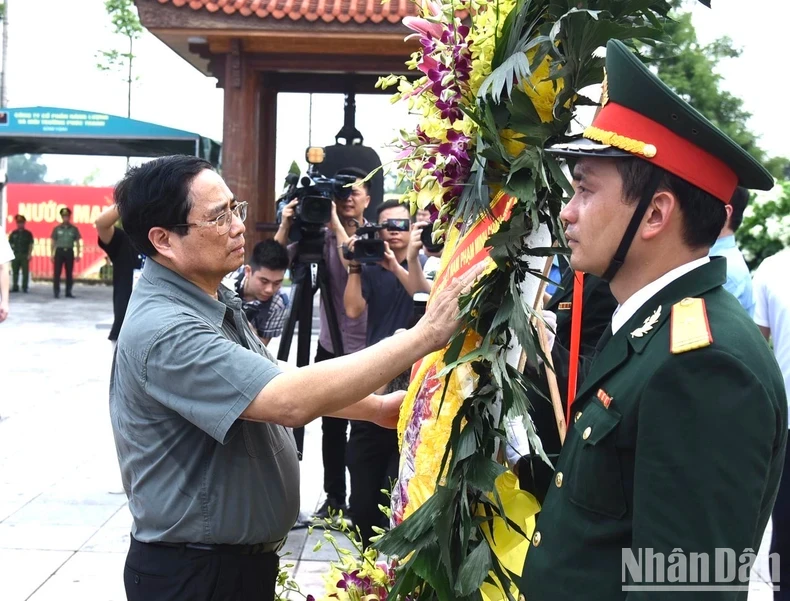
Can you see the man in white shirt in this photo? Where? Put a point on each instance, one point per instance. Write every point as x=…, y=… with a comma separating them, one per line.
x=677, y=438
x=739, y=280
x=772, y=314
x=6, y=256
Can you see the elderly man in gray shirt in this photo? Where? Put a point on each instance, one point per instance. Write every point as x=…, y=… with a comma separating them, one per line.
x=202, y=414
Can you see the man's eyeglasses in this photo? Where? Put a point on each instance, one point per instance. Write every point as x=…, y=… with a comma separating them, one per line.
x=224, y=220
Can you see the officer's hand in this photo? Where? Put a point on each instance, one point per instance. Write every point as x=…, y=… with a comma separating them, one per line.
x=389, y=411
x=551, y=328
x=440, y=320
x=415, y=239
x=288, y=212
x=4, y=310
x=389, y=262
x=77, y=258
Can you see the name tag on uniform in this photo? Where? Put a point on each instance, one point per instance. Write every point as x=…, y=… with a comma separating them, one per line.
x=564, y=306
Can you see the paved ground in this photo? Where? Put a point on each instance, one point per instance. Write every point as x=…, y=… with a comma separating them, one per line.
x=64, y=524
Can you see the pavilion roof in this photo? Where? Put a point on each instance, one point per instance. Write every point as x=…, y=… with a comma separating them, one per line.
x=341, y=11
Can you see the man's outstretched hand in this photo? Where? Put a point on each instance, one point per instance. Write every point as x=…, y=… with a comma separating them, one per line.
x=440, y=320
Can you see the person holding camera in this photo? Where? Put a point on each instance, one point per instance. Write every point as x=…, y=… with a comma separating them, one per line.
x=258, y=286
x=200, y=410
x=421, y=243
x=347, y=213
x=385, y=290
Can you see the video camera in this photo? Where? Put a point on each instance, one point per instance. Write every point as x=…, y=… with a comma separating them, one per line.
x=426, y=237
x=369, y=248
x=315, y=195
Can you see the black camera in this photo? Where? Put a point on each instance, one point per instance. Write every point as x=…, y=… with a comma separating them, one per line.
x=315, y=195
x=426, y=237
x=369, y=248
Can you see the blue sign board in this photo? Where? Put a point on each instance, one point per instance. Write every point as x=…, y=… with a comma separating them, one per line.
x=47, y=130
x=48, y=121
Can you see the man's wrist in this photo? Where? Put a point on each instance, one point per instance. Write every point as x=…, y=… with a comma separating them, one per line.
x=354, y=268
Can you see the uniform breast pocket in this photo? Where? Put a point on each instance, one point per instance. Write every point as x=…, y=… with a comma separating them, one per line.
x=595, y=483
x=265, y=440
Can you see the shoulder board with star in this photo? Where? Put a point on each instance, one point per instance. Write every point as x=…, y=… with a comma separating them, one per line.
x=689, y=329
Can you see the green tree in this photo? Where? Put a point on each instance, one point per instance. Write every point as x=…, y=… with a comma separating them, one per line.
x=689, y=68
x=126, y=23
x=766, y=225
x=26, y=169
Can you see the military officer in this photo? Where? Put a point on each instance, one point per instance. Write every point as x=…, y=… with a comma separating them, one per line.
x=21, y=241
x=66, y=248
x=678, y=435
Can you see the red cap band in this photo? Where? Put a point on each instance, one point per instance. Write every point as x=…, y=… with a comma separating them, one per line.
x=673, y=152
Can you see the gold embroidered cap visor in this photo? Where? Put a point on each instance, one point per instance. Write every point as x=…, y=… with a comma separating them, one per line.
x=641, y=117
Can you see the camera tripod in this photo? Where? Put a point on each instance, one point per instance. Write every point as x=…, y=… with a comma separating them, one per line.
x=309, y=254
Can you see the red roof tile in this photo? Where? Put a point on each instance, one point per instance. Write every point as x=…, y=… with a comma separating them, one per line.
x=361, y=11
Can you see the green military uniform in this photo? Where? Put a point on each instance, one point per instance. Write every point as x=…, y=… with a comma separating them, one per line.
x=64, y=237
x=679, y=429
x=21, y=242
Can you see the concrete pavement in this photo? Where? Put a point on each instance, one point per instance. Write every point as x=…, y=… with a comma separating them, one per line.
x=64, y=523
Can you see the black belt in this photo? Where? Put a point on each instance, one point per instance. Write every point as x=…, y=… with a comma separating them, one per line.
x=256, y=549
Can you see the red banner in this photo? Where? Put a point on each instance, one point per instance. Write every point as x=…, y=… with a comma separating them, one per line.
x=41, y=205
x=471, y=248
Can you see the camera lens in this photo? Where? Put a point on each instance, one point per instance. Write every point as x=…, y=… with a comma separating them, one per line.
x=426, y=237
x=315, y=210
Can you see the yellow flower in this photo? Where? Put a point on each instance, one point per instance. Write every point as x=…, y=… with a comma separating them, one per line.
x=511, y=140
x=541, y=91
x=508, y=545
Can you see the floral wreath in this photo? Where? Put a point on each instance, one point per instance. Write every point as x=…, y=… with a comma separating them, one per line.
x=497, y=81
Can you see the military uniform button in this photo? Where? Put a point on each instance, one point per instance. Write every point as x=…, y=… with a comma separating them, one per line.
x=586, y=433
x=558, y=479
x=536, y=538
x=577, y=416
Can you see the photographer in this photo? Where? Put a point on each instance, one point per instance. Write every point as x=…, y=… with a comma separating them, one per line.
x=346, y=214
x=385, y=290
x=422, y=279
x=258, y=286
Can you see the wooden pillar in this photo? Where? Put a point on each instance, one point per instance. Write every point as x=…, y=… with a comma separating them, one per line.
x=240, y=135
x=267, y=143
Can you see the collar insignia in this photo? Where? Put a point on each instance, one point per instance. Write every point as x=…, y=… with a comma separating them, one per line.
x=647, y=325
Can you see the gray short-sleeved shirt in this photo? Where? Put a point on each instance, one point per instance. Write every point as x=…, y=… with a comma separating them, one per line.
x=186, y=366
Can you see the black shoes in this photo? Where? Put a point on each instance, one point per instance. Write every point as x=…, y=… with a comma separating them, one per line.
x=331, y=508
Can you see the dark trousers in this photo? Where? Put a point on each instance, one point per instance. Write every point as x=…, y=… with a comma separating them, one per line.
x=63, y=257
x=155, y=573
x=333, y=447
x=373, y=462
x=22, y=265
x=780, y=538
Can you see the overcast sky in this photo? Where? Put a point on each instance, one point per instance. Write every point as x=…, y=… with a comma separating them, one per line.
x=52, y=62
